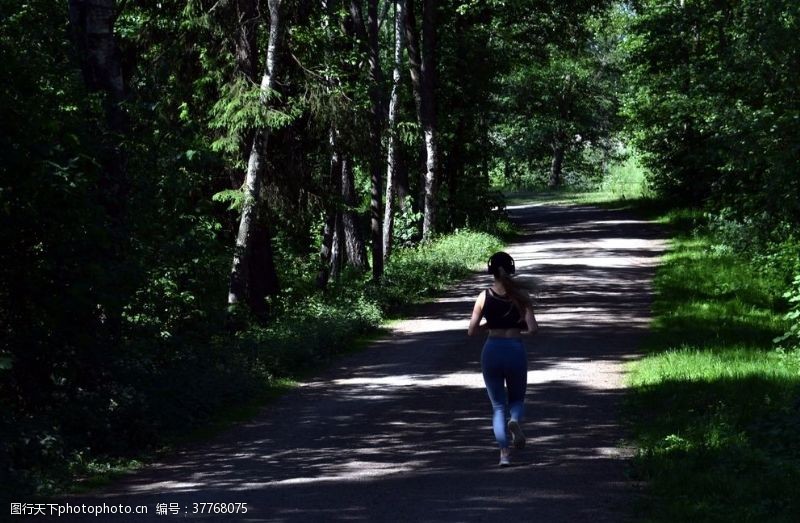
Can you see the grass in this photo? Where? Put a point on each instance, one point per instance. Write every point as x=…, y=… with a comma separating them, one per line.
x=713, y=404
x=624, y=184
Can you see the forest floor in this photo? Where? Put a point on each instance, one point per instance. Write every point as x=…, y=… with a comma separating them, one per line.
x=401, y=431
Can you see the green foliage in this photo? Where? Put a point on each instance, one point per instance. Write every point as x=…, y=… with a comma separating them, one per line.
x=407, y=224
x=113, y=311
x=626, y=180
x=714, y=404
x=415, y=272
x=308, y=328
x=234, y=198
x=560, y=95
x=241, y=109
x=712, y=102
x=791, y=338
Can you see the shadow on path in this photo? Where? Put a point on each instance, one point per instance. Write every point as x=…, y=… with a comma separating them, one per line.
x=402, y=430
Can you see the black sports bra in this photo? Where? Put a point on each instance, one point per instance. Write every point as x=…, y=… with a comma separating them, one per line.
x=500, y=312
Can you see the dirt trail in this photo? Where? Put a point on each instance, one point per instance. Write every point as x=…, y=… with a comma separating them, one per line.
x=402, y=430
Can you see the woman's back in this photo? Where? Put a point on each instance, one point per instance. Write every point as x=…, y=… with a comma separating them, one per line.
x=500, y=312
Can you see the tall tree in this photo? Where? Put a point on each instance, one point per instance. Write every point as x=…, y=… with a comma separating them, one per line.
x=353, y=239
x=247, y=17
x=247, y=59
x=394, y=145
x=327, y=263
x=367, y=33
x=247, y=248
x=93, y=30
x=713, y=103
x=422, y=67
x=92, y=25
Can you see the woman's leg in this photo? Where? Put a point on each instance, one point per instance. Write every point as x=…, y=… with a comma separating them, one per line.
x=517, y=379
x=494, y=378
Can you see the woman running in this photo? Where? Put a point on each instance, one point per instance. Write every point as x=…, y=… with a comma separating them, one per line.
x=509, y=316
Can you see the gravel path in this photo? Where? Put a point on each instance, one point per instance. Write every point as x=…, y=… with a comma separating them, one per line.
x=402, y=430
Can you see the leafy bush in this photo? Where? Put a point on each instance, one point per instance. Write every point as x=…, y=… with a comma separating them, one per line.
x=309, y=331
x=407, y=224
x=791, y=338
x=309, y=328
x=414, y=272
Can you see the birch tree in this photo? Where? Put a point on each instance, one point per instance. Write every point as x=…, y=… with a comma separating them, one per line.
x=342, y=238
x=247, y=237
x=422, y=68
x=392, y=160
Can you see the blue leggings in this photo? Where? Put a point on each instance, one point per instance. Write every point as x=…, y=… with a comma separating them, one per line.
x=505, y=363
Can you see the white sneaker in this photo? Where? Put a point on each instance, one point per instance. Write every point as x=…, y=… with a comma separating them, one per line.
x=518, y=438
x=505, y=460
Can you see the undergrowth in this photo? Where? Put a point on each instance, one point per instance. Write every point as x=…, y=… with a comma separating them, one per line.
x=714, y=404
x=198, y=378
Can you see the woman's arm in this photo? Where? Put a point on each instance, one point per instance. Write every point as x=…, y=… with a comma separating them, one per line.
x=477, y=312
x=530, y=320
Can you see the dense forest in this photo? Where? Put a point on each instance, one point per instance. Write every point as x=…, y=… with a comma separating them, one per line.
x=203, y=197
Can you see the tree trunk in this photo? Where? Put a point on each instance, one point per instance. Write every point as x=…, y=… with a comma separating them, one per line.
x=455, y=166
x=414, y=58
x=376, y=160
x=368, y=38
x=401, y=184
x=263, y=277
x=92, y=24
x=93, y=28
x=247, y=16
x=429, y=106
x=326, y=251
x=249, y=233
x=388, y=214
x=337, y=246
x=329, y=229
x=247, y=58
x=555, y=166
x=351, y=225
x=422, y=67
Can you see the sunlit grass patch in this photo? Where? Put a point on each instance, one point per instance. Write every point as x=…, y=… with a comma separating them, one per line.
x=714, y=405
x=416, y=272
x=699, y=365
x=625, y=180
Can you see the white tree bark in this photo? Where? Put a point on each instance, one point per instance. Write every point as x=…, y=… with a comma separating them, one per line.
x=388, y=215
x=431, y=165
x=422, y=67
x=429, y=110
x=253, y=178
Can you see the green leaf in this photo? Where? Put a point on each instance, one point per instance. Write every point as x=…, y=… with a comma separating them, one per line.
x=233, y=197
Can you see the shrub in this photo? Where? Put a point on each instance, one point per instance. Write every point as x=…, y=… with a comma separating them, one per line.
x=414, y=272
x=791, y=338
